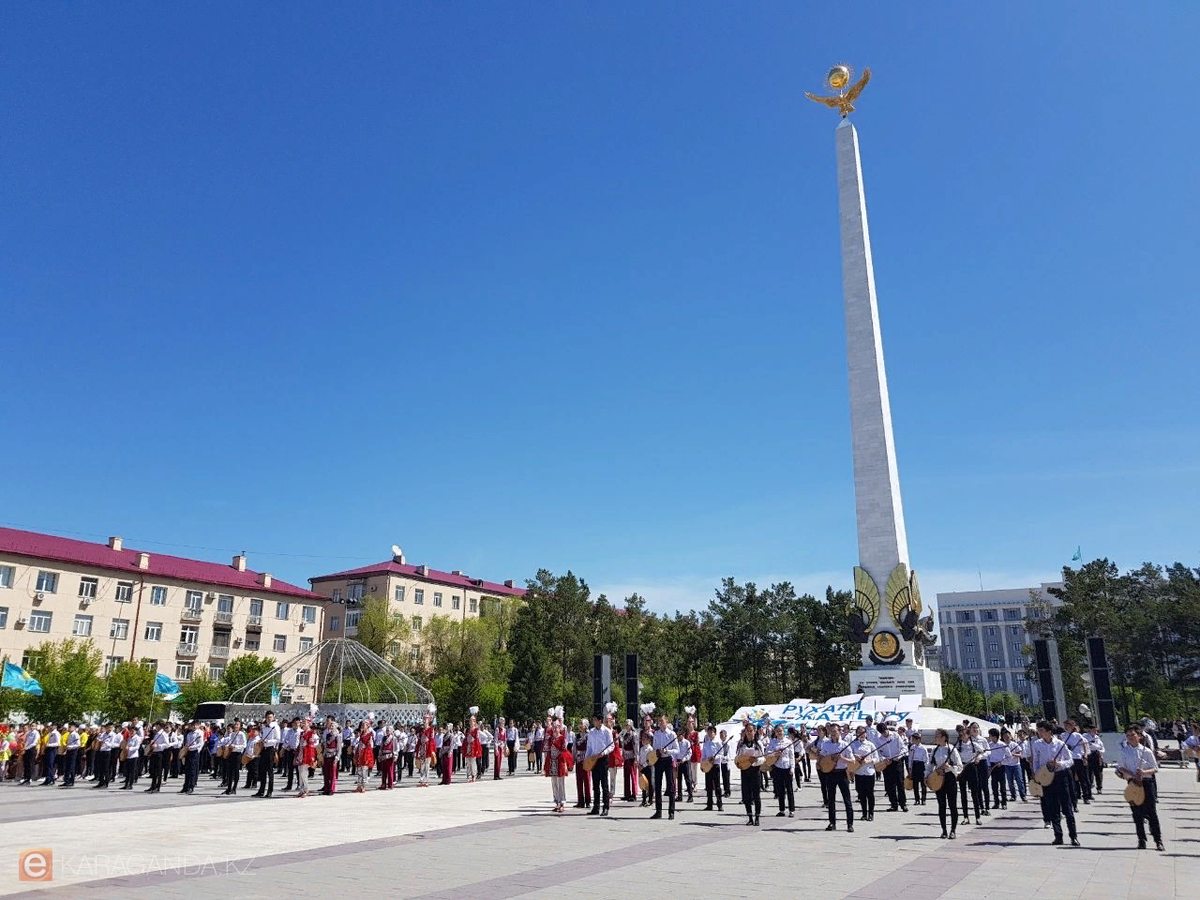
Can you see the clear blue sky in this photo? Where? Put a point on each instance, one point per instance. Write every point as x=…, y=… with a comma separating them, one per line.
x=532, y=285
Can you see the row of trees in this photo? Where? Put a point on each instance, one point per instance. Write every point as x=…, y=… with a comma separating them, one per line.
x=72, y=689
x=1149, y=619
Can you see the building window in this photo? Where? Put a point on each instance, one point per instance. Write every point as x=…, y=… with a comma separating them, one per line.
x=301, y=677
x=969, y=647
x=83, y=626
x=1012, y=614
x=990, y=631
x=352, y=617
x=47, y=582
x=993, y=647
x=335, y=623
x=455, y=602
x=1014, y=630
x=474, y=604
x=280, y=643
x=7, y=573
x=968, y=631
x=119, y=630
x=124, y=591
x=993, y=663
x=416, y=623
x=88, y=588
x=255, y=607
x=252, y=642
x=111, y=662
x=216, y=671
x=399, y=593
x=419, y=596
x=282, y=609
x=997, y=681
x=337, y=595
x=989, y=615
x=308, y=614
x=189, y=634
x=306, y=643
x=1018, y=650
x=972, y=663
x=194, y=600
x=150, y=665
x=154, y=631
x=225, y=603
x=3, y=616
x=1020, y=680
x=158, y=595
x=220, y=638
x=183, y=670
x=437, y=598
x=966, y=615
x=414, y=654
x=31, y=659
x=354, y=591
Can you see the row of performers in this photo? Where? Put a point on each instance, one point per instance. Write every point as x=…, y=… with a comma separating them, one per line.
x=1060, y=765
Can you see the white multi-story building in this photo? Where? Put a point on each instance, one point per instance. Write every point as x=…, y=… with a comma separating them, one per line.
x=984, y=637
x=181, y=617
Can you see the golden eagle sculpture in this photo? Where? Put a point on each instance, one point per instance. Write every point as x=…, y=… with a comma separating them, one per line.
x=838, y=79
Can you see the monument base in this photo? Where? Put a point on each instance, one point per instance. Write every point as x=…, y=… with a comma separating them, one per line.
x=898, y=681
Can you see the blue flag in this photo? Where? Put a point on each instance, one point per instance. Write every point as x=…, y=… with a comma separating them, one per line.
x=165, y=686
x=274, y=695
x=17, y=678
x=1078, y=557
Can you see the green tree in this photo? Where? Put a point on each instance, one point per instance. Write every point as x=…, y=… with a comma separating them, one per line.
x=960, y=696
x=379, y=630
x=200, y=689
x=243, y=671
x=1006, y=703
x=532, y=685
x=129, y=692
x=71, y=689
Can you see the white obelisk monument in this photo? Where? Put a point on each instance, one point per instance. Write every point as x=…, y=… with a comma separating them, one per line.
x=887, y=597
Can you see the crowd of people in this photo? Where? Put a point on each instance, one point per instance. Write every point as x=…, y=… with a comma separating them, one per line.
x=969, y=773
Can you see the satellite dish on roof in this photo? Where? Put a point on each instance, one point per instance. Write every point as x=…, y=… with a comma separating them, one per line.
x=397, y=553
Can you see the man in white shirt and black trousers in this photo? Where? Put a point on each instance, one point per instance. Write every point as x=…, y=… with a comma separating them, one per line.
x=599, y=746
x=664, y=742
x=269, y=739
x=193, y=742
x=288, y=745
x=1049, y=751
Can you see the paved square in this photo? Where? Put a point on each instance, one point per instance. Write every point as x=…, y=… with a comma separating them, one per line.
x=500, y=840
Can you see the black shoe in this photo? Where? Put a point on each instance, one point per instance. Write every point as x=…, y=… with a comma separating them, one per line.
x=604, y=812
x=779, y=815
x=978, y=821
x=904, y=809
x=670, y=815
x=893, y=809
x=756, y=822
x=1057, y=842
x=944, y=834
x=1141, y=845
x=850, y=828
x=831, y=828
x=1074, y=842
x=657, y=815
x=720, y=808
x=791, y=813
x=952, y=835
x=749, y=820
x=708, y=808
x=1158, y=845
x=593, y=812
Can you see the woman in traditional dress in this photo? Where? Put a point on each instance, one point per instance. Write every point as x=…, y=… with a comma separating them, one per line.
x=364, y=755
x=558, y=760
x=472, y=747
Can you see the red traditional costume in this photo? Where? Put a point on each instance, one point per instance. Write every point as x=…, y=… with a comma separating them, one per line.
x=387, y=761
x=332, y=744
x=559, y=761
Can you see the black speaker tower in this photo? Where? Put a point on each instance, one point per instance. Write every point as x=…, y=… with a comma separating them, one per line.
x=1106, y=711
x=632, y=701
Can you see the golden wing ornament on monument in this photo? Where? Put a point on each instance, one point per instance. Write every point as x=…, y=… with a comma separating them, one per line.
x=903, y=595
x=838, y=79
x=864, y=609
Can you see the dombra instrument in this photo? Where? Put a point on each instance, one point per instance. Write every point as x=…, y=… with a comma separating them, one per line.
x=1135, y=791
x=1044, y=776
x=744, y=761
x=828, y=762
x=771, y=758
x=652, y=756
x=589, y=762
x=644, y=783
x=706, y=765
x=935, y=779
x=908, y=782
x=1035, y=790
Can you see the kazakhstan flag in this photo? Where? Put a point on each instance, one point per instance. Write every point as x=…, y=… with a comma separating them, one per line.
x=165, y=686
x=17, y=678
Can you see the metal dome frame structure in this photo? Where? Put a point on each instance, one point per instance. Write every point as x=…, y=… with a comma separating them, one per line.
x=375, y=681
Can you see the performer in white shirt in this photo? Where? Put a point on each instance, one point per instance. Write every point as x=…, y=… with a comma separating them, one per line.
x=1053, y=754
x=972, y=750
x=1095, y=758
x=997, y=754
x=782, y=747
x=663, y=743
x=835, y=747
x=599, y=745
x=918, y=760
x=891, y=753
x=711, y=752
x=237, y=746
x=946, y=762
x=288, y=745
x=1011, y=764
x=269, y=737
x=193, y=742
x=750, y=748
x=865, y=756
x=1078, y=746
x=1139, y=765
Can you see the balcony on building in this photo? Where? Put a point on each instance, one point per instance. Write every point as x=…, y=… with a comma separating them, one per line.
x=216, y=651
x=254, y=623
x=188, y=650
x=223, y=618
x=191, y=614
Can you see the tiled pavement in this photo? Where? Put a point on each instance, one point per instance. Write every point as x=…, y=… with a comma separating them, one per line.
x=500, y=840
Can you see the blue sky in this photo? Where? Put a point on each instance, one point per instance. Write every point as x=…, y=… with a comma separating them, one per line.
x=524, y=286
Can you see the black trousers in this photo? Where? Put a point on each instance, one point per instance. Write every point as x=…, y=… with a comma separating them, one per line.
x=999, y=794
x=1057, y=805
x=893, y=786
x=1096, y=770
x=752, y=792
x=948, y=802
x=1083, y=787
x=838, y=783
x=512, y=757
x=981, y=775
x=600, y=783
x=100, y=767
x=725, y=778
x=864, y=787
x=266, y=771
x=683, y=778
x=920, y=792
x=156, y=770
x=823, y=780
x=233, y=770
x=289, y=766
x=1147, y=812
x=712, y=787
x=782, y=779
x=664, y=768
x=131, y=771
x=969, y=784
x=69, y=767
x=191, y=771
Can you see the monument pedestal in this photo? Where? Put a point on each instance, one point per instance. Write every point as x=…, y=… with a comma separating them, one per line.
x=898, y=681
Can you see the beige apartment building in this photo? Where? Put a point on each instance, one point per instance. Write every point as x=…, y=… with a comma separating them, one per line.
x=181, y=617
x=418, y=593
